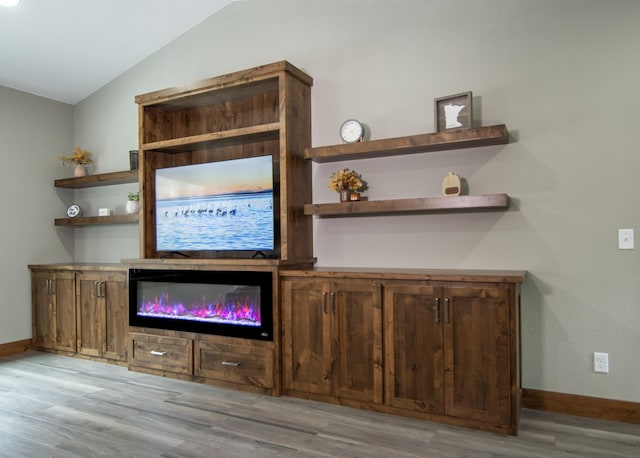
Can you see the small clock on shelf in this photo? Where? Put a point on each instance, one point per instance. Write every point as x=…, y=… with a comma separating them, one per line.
x=351, y=131
x=74, y=210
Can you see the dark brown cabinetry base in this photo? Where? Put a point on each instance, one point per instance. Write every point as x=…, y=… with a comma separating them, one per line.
x=80, y=310
x=450, y=339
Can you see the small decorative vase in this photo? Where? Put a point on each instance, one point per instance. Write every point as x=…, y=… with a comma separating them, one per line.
x=132, y=206
x=344, y=196
x=80, y=171
x=354, y=196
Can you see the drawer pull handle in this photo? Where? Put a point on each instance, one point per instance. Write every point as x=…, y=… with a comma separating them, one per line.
x=230, y=363
x=158, y=353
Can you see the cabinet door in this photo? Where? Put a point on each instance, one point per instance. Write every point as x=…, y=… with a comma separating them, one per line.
x=356, y=328
x=115, y=295
x=306, y=337
x=414, y=376
x=91, y=314
x=477, y=352
x=43, y=301
x=65, y=311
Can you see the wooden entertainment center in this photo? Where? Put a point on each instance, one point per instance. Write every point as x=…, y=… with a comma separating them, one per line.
x=441, y=345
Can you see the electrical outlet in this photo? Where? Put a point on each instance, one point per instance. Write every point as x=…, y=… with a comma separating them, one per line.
x=601, y=362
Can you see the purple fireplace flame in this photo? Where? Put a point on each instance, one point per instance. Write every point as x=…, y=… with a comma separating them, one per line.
x=226, y=303
x=239, y=307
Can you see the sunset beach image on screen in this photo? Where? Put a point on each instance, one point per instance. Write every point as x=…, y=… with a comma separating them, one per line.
x=216, y=206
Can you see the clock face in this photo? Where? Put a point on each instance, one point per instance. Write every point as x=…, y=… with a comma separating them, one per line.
x=351, y=131
x=73, y=210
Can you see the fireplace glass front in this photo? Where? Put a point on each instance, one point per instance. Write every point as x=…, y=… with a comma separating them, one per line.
x=229, y=303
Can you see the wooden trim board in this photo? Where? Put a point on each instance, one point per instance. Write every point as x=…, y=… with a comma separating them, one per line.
x=582, y=406
x=11, y=348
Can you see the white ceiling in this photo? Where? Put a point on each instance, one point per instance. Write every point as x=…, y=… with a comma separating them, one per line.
x=67, y=49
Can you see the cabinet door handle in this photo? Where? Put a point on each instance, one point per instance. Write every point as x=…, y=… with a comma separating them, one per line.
x=158, y=353
x=103, y=291
x=324, y=302
x=446, y=310
x=333, y=303
x=98, y=288
x=437, y=310
x=230, y=363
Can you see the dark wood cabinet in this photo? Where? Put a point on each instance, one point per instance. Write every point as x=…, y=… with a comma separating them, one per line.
x=53, y=310
x=81, y=309
x=451, y=342
x=414, y=348
x=477, y=352
x=447, y=350
x=333, y=338
x=102, y=314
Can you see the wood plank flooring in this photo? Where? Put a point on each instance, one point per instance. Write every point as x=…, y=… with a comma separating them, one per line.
x=56, y=406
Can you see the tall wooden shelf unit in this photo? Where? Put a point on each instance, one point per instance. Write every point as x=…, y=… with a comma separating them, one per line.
x=261, y=111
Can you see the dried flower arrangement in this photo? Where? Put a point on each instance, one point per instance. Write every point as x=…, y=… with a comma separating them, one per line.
x=79, y=157
x=347, y=180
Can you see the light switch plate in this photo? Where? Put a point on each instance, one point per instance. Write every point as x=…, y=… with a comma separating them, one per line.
x=625, y=239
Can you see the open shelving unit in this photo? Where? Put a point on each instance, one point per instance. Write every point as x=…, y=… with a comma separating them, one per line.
x=92, y=181
x=424, y=143
x=262, y=111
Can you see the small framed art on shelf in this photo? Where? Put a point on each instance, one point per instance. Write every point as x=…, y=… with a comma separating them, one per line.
x=453, y=112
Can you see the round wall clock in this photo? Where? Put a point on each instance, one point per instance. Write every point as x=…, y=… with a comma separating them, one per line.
x=74, y=210
x=351, y=131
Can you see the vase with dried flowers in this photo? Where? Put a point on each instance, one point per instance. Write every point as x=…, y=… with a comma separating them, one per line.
x=348, y=183
x=81, y=158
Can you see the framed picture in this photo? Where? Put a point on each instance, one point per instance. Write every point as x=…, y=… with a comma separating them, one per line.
x=453, y=112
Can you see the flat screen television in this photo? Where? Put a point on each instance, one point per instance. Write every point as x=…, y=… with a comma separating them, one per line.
x=217, y=209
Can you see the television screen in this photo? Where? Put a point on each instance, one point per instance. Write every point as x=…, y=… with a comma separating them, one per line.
x=216, y=206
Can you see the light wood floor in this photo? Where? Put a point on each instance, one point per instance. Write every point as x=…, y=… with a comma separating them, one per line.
x=56, y=406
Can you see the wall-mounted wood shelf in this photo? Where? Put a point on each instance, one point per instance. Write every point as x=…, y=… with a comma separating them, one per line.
x=419, y=205
x=100, y=179
x=97, y=220
x=424, y=143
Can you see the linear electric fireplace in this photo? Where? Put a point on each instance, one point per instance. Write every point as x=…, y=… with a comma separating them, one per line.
x=227, y=303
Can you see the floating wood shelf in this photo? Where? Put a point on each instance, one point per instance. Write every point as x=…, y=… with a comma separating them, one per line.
x=229, y=137
x=425, y=143
x=419, y=205
x=97, y=220
x=101, y=179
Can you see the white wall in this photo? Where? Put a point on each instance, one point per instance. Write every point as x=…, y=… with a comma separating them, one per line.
x=33, y=132
x=561, y=74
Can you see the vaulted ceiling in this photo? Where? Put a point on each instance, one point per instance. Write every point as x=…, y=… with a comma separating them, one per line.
x=67, y=49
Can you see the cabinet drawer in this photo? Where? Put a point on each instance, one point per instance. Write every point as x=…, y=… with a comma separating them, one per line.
x=234, y=363
x=170, y=354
